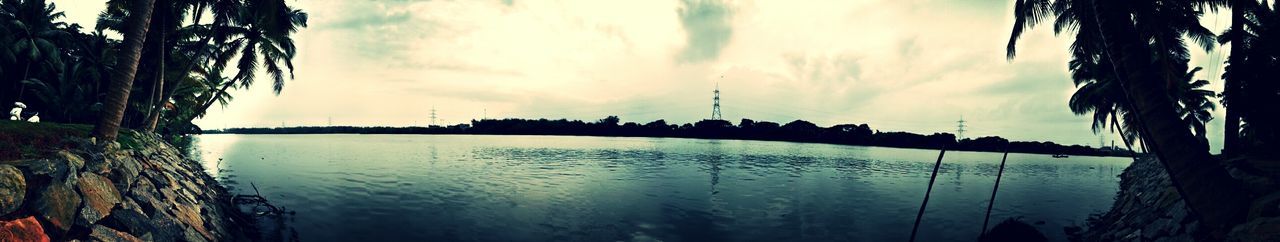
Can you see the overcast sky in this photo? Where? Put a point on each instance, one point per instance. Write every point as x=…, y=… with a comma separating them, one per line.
x=908, y=65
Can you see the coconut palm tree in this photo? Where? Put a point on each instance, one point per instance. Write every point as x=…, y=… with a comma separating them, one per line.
x=1112, y=30
x=122, y=75
x=1194, y=105
x=69, y=97
x=162, y=49
x=260, y=35
x=1097, y=92
x=31, y=30
x=1253, y=70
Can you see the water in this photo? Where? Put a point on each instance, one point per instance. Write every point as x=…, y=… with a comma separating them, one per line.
x=554, y=188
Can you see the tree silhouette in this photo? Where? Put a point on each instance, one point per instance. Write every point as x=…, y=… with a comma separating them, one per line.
x=1141, y=38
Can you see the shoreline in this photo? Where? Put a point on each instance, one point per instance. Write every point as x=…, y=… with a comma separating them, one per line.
x=1148, y=208
x=1111, y=154
x=141, y=189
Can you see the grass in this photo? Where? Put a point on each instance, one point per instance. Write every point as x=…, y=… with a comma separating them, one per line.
x=19, y=140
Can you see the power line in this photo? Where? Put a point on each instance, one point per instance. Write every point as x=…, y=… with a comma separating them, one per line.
x=433, y=115
x=960, y=128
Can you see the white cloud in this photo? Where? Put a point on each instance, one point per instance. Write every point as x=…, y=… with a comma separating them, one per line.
x=896, y=65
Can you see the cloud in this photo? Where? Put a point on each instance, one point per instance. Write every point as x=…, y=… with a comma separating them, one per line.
x=707, y=24
x=912, y=65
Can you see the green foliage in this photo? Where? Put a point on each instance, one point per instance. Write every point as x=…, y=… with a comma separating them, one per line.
x=61, y=72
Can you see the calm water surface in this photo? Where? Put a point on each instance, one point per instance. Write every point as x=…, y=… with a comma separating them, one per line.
x=555, y=188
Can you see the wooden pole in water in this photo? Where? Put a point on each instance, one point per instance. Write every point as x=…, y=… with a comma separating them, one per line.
x=992, y=201
x=928, y=190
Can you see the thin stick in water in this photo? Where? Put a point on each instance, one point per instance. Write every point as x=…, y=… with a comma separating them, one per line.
x=992, y=202
x=933, y=177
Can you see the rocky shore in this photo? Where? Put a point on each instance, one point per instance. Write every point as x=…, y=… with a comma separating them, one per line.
x=1148, y=208
x=145, y=190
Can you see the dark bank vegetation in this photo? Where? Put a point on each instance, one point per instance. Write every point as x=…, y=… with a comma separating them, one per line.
x=174, y=62
x=747, y=129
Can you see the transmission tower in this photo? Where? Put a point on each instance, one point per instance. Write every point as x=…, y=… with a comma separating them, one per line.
x=960, y=128
x=433, y=115
x=715, y=102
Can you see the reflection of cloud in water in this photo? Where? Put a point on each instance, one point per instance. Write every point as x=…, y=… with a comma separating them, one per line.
x=209, y=150
x=504, y=188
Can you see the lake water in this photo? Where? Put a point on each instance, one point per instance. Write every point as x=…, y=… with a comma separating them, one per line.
x=558, y=188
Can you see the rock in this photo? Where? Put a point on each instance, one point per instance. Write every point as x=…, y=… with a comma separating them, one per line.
x=99, y=197
x=57, y=203
x=1169, y=197
x=75, y=162
x=190, y=215
x=24, y=229
x=1136, y=234
x=1180, y=238
x=129, y=220
x=56, y=169
x=144, y=193
x=1157, y=228
x=169, y=196
x=110, y=161
x=1267, y=206
x=102, y=233
x=147, y=193
x=165, y=228
x=13, y=189
x=125, y=172
x=1263, y=229
x=1178, y=213
x=191, y=235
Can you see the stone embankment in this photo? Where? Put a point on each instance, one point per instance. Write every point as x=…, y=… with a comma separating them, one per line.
x=1149, y=208
x=147, y=191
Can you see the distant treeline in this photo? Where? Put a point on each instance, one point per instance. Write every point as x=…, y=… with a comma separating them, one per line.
x=747, y=129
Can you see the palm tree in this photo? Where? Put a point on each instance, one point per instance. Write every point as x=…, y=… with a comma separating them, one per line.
x=70, y=96
x=32, y=30
x=1252, y=95
x=122, y=75
x=167, y=18
x=261, y=35
x=1231, y=132
x=1194, y=105
x=1112, y=30
x=191, y=93
x=1098, y=93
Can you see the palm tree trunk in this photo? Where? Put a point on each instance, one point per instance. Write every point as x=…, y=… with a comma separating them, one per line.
x=22, y=85
x=1211, y=194
x=204, y=49
x=122, y=76
x=157, y=90
x=1231, y=88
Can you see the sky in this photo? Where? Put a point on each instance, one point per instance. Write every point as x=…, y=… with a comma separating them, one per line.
x=896, y=65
